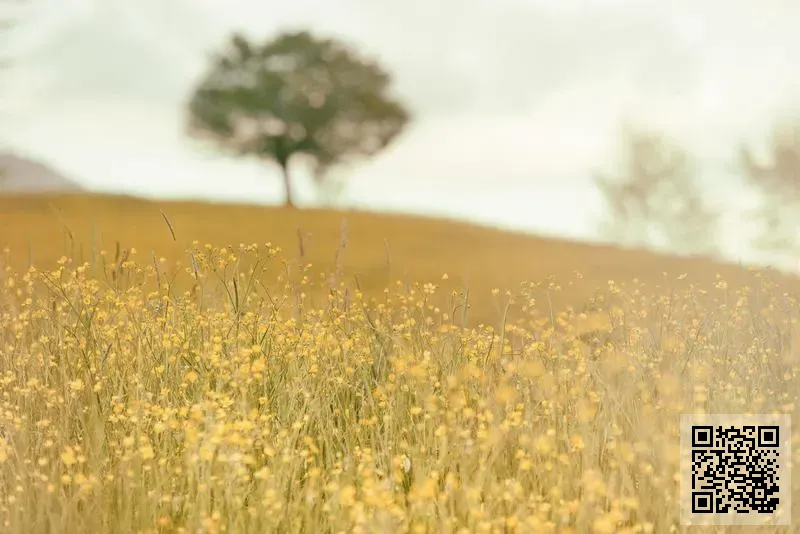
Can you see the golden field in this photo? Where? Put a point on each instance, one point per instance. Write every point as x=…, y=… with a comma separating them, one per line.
x=418, y=376
x=374, y=251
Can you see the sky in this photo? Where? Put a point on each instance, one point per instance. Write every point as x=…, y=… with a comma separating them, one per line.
x=517, y=103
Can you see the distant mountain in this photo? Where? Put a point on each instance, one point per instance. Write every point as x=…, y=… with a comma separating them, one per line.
x=23, y=175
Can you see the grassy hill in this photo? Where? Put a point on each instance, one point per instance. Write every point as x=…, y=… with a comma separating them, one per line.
x=378, y=249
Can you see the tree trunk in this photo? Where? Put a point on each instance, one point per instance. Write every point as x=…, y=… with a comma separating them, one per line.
x=287, y=185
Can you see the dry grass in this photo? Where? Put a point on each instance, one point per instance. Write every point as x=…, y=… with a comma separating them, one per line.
x=377, y=249
x=243, y=392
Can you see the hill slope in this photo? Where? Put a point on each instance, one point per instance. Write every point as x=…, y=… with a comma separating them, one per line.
x=379, y=249
x=23, y=175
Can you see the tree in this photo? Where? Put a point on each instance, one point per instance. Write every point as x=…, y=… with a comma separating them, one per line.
x=777, y=178
x=654, y=198
x=296, y=95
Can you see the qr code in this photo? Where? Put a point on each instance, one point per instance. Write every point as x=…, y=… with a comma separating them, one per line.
x=735, y=469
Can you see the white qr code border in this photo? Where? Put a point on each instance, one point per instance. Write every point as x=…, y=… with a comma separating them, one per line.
x=782, y=514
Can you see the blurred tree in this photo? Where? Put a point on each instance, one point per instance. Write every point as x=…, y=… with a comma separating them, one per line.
x=655, y=200
x=777, y=178
x=296, y=95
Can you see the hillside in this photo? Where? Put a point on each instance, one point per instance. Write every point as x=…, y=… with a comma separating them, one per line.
x=378, y=249
x=19, y=174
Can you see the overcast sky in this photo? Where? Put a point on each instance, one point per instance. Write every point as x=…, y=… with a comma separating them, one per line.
x=516, y=101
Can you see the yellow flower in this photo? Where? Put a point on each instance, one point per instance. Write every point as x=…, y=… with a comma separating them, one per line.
x=429, y=289
x=347, y=496
x=427, y=489
x=585, y=410
x=258, y=365
x=68, y=457
x=146, y=452
x=543, y=445
x=505, y=393
x=576, y=442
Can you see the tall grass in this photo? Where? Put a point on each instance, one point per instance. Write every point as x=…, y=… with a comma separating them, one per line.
x=228, y=397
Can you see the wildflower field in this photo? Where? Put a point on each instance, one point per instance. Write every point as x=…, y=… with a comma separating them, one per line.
x=239, y=389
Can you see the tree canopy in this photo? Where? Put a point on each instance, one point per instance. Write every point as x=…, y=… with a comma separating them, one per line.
x=655, y=198
x=296, y=95
x=777, y=178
